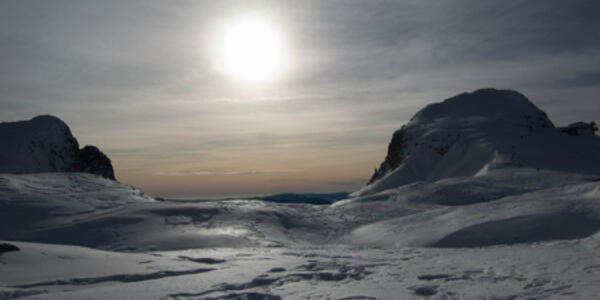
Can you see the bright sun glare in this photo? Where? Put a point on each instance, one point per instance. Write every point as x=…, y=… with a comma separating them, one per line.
x=252, y=51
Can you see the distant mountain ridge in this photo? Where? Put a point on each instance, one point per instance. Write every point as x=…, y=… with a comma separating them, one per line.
x=310, y=198
x=473, y=132
x=46, y=144
x=296, y=198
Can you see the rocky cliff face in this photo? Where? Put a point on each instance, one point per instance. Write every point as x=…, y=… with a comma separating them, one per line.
x=394, y=157
x=45, y=144
x=92, y=160
x=473, y=132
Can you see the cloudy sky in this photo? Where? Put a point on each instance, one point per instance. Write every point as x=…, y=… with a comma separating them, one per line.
x=143, y=81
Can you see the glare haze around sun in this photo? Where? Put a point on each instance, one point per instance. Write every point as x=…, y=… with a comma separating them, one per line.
x=252, y=50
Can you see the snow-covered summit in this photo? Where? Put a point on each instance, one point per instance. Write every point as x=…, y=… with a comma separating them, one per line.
x=45, y=144
x=473, y=132
x=506, y=105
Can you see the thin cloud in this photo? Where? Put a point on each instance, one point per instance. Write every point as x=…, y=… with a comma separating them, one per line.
x=268, y=98
x=201, y=173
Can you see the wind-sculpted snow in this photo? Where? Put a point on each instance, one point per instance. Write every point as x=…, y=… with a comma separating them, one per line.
x=34, y=204
x=522, y=229
x=488, y=209
x=398, y=243
x=557, y=209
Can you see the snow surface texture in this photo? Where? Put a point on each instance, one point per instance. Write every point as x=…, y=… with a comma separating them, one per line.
x=45, y=144
x=505, y=231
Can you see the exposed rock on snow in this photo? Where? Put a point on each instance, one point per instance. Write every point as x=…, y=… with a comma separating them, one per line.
x=580, y=128
x=93, y=161
x=475, y=132
x=7, y=248
x=394, y=157
x=45, y=144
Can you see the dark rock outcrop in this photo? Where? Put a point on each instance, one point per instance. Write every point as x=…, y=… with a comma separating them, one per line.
x=8, y=248
x=394, y=157
x=580, y=128
x=46, y=144
x=92, y=160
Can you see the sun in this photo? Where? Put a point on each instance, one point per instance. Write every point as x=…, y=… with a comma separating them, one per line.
x=252, y=50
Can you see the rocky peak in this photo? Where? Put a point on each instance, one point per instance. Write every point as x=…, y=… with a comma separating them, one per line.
x=472, y=132
x=92, y=160
x=46, y=144
x=580, y=128
x=439, y=126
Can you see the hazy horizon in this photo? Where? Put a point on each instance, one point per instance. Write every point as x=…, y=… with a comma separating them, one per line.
x=145, y=83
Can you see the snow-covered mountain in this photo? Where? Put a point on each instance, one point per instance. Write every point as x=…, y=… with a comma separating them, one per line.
x=480, y=197
x=472, y=133
x=45, y=144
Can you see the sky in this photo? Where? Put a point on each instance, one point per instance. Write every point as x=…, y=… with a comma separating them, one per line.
x=143, y=81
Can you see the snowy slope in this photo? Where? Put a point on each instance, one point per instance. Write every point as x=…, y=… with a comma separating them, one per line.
x=33, y=203
x=386, y=246
x=503, y=207
x=520, y=233
x=87, y=210
x=561, y=270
